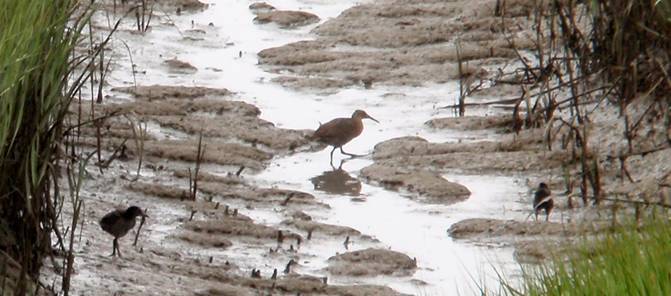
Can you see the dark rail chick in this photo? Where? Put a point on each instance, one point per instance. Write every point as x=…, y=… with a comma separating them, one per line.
x=118, y=223
x=543, y=201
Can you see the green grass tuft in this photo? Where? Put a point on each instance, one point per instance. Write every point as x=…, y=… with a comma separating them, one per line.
x=627, y=261
x=38, y=62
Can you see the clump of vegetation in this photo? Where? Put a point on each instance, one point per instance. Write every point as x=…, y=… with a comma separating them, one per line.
x=41, y=73
x=590, y=54
x=595, y=53
x=627, y=261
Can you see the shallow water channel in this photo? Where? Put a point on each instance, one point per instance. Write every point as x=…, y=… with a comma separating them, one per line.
x=226, y=57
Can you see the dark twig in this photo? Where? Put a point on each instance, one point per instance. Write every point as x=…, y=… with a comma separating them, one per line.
x=137, y=234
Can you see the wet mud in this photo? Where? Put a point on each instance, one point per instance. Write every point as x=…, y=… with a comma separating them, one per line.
x=501, y=123
x=477, y=157
x=285, y=18
x=265, y=198
x=401, y=43
x=533, y=241
x=428, y=186
x=371, y=262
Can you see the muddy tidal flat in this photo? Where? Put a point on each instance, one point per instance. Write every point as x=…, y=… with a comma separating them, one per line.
x=208, y=123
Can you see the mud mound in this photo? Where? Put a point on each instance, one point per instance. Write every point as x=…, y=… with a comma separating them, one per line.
x=400, y=23
x=300, y=215
x=185, y=150
x=153, y=92
x=215, y=152
x=470, y=228
x=416, y=146
x=316, y=83
x=183, y=107
x=115, y=129
x=533, y=241
x=224, y=290
x=493, y=227
x=286, y=18
x=214, y=210
x=299, y=285
x=158, y=190
x=183, y=4
x=492, y=161
x=238, y=227
x=230, y=126
x=282, y=197
x=304, y=52
x=328, y=229
x=195, y=110
x=513, y=155
x=371, y=262
x=291, y=284
x=405, y=43
x=471, y=122
x=177, y=66
x=205, y=240
x=261, y=7
x=229, y=179
x=429, y=185
x=361, y=290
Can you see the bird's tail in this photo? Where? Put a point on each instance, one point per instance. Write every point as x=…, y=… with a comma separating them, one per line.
x=313, y=135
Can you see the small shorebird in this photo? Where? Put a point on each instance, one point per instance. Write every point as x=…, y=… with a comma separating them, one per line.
x=118, y=223
x=543, y=201
x=340, y=131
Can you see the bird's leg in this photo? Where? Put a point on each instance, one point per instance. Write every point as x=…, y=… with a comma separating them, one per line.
x=536, y=215
x=334, y=148
x=114, y=242
x=349, y=154
x=118, y=251
x=547, y=215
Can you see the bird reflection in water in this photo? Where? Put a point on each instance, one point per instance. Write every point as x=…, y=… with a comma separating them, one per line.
x=337, y=181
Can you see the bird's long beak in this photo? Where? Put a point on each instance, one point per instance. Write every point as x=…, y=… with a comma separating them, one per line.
x=371, y=118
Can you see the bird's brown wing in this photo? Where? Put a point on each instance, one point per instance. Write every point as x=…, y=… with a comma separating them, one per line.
x=332, y=131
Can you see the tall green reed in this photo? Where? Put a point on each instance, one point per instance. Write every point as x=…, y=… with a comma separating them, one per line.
x=39, y=78
x=613, y=52
x=627, y=261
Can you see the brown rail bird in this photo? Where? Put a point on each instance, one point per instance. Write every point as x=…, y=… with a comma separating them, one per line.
x=118, y=223
x=340, y=131
x=543, y=201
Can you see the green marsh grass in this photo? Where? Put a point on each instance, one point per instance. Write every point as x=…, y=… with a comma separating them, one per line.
x=39, y=78
x=626, y=46
x=626, y=261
